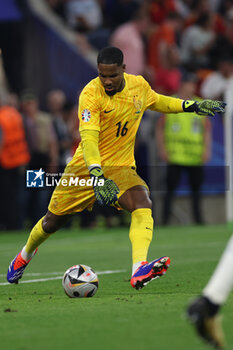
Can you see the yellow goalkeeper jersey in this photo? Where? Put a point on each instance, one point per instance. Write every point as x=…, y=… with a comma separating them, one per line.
x=118, y=117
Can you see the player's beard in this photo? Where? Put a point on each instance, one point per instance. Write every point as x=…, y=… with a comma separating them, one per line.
x=111, y=92
x=114, y=91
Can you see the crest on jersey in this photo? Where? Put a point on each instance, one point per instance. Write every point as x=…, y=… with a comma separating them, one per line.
x=137, y=104
x=86, y=115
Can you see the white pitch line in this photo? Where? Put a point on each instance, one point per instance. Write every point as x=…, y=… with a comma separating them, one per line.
x=107, y=272
x=37, y=274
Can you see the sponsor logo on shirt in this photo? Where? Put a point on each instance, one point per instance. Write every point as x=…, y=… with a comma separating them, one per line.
x=109, y=110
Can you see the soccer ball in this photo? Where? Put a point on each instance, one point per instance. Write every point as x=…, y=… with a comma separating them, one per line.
x=80, y=281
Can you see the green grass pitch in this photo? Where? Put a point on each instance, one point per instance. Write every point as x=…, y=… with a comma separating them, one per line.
x=38, y=315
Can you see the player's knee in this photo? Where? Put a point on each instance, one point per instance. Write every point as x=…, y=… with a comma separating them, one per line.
x=49, y=226
x=143, y=203
x=51, y=223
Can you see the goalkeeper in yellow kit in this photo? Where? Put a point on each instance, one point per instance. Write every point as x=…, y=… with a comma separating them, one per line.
x=110, y=110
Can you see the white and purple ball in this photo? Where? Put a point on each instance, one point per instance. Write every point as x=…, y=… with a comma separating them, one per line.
x=80, y=281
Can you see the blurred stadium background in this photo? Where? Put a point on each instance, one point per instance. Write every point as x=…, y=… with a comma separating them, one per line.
x=48, y=52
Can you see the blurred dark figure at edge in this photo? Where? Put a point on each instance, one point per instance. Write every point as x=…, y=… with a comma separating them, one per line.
x=14, y=156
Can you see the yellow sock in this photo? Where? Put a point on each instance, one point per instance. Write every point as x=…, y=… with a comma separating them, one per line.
x=140, y=233
x=36, y=237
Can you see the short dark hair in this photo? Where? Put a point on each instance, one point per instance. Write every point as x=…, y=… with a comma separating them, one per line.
x=110, y=55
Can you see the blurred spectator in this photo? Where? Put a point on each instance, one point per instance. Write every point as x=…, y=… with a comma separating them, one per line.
x=13, y=100
x=163, y=38
x=70, y=116
x=223, y=44
x=216, y=83
x=56, y=100
x=84, y=16
x=184, y=7
x=58, y=6
x=215, y=4
x=40, y=134
x=11, y=46
x=160, y=9
x=167, y=78
x=118, y=12
x=229, y=25
x=163, y=52
x=129, y=38
x=225, y=6
x=205, y=7
x=196, y=42
x=14, y=156
x=184, y=143
x=43, y=149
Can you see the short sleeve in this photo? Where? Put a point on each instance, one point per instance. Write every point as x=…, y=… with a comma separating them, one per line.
x=88, y=111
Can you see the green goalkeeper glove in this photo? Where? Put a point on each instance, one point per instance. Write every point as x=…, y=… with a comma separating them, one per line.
x=106, y=193
x=205, y=107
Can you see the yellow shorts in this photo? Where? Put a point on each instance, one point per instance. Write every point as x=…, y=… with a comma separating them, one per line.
x=69, y=198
